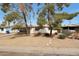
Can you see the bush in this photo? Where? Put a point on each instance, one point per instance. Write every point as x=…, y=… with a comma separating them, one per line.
x=64, y=34
x=61, y=36
x=77, y=30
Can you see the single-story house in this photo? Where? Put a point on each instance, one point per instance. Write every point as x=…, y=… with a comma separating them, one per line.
x=33, y=29
x=36, y=29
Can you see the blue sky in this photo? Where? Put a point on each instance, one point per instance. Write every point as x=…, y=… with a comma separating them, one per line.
x=1, y=16
x=71, y=9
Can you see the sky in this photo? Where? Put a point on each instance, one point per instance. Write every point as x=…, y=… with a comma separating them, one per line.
x=71, y=9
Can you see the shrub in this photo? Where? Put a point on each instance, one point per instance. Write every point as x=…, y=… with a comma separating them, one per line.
x=61, y=36
x=64, y=34
x=77, y=30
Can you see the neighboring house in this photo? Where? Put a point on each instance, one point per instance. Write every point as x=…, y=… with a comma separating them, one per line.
x=3, y=30
x=71, y=27
x=8, y=27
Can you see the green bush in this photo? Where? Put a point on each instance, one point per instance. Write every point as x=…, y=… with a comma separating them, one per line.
x=61, y=36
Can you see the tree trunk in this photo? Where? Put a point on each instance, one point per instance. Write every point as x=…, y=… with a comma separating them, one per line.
x=50, y=25
x=22, y=8
x=27, y=29
x=50, y=30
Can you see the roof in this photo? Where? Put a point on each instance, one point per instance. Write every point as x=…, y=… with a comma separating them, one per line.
x=72, y=25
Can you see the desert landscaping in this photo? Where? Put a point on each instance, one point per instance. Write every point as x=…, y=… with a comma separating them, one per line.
x=30, y=45
x=39, y=41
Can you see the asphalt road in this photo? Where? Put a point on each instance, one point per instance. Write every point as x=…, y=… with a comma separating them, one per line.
x=38, y=51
